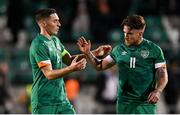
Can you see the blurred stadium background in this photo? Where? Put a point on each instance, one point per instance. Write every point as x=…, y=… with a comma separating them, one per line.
x=97, y=20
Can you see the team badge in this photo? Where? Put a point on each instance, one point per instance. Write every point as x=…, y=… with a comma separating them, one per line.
x=144, y=53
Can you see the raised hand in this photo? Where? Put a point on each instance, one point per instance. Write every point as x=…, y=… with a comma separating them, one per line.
x=80, y=65
x=84, y=46
x=103, y=50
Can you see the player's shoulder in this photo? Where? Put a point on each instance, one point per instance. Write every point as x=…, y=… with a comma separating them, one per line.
x=121, y=44
x=150, y=43
x=152, y=46
x=37, y=42
x=115, y=47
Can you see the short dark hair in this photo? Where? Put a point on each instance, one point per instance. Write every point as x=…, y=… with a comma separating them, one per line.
x=134, y=22
x=44, y=13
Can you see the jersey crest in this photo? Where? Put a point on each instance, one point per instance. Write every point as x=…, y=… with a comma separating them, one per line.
x=144, y=53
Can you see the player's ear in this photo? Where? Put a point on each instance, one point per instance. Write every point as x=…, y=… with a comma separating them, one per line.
x=141, y=34
x=44, y=23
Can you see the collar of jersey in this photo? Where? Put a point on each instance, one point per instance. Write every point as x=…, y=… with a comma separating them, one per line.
x=44, y=37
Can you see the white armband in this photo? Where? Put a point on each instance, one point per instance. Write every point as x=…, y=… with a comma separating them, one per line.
x=161, y=64
x=109, y=59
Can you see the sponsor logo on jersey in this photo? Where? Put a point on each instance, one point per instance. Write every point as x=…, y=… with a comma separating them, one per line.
x=124, y=53
x=144, y=53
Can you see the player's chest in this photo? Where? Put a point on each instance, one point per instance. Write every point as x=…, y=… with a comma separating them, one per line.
x=54, y=52
x=53, y=48
x=130, y=57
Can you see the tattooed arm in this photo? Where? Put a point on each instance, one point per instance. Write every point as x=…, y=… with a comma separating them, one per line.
x=98, y=64
x=162, y=79
x=100, y=52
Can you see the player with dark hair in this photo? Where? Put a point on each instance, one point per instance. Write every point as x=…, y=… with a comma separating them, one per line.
x=142, y=68
x=47, y=54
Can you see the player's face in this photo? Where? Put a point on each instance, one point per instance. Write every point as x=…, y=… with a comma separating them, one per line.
x=52, y=24
x=132, y=36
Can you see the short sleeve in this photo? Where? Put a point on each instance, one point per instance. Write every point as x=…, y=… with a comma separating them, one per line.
x=159, y=59
x=113, y=53
x=41, y=55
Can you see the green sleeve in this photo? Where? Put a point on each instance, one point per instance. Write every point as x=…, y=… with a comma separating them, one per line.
x=159, y=55
x=40, y=53
x=113, y=53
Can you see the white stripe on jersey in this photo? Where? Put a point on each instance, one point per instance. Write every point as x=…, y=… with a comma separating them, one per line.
x=109, y=59
x=157, y=65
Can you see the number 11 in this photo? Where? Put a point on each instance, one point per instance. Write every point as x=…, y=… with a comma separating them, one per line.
x=132, y=62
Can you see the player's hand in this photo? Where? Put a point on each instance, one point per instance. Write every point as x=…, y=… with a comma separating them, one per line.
x=80, y=65
x=103, y=50
x=154, y=96
x=84, y=46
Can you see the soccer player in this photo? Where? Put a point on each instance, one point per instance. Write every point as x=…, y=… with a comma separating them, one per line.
x=141, y=66
x=47, y=54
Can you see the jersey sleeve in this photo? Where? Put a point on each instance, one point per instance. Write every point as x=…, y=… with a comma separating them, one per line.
x=113, y=53
x=41, y=55
x=159, y=60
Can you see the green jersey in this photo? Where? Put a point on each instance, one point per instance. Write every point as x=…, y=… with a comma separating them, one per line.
x=136, y=65
x=43, y=52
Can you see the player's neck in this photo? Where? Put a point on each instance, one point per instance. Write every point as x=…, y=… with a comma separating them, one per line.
x=45, y=33
x=135, y=44
x=139, y=41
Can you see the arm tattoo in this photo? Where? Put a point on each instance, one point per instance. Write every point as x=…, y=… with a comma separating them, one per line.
x=94, y=60
x=161, y=72
x=162, y=78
